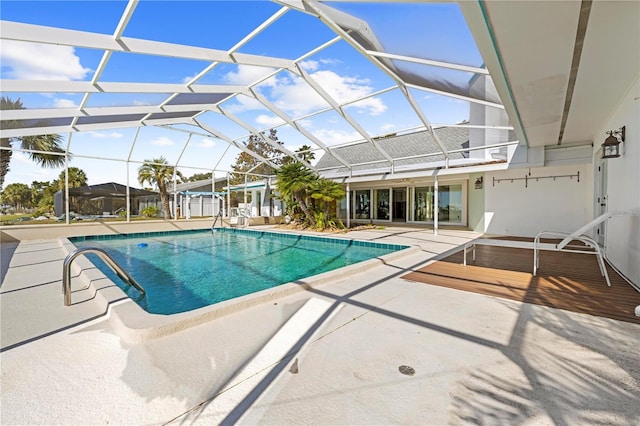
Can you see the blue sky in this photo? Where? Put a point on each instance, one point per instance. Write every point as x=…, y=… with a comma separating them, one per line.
x=429, y=31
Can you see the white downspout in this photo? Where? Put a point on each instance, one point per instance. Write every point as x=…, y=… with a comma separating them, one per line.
x=348, y=206
x=175, y=195
x=435, y=206
x=66, y=186
x=228, y=197
x=245, y=191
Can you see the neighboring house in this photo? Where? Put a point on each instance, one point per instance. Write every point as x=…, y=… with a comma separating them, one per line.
x=105, y=199
x=200, y=198
x=258, y=198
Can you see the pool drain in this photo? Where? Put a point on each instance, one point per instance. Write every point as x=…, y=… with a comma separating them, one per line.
x=406, y=370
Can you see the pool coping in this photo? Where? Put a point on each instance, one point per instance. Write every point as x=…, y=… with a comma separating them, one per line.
x=136, y=325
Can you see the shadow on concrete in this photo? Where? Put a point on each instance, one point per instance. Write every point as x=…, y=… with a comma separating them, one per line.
x=591, y=394
x=8, y=246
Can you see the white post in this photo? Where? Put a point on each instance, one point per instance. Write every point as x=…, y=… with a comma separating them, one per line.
x=133, y=144
x=175, y=196
x=66, y=186
x=435, y=207
x=245, y=191
x=128, y=196
x=348, y=206
x=213, y=195
x=228, y=197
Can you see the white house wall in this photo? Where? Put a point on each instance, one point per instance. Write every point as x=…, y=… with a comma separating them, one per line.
x=563, y=204
x=623, y=188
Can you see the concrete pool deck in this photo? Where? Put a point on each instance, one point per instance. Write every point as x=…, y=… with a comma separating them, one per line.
x=326, y=355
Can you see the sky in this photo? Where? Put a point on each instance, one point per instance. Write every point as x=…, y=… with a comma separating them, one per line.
x=429, y=31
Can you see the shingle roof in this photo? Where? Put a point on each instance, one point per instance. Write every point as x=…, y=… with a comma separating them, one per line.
x=400, y=146
x=110, y=189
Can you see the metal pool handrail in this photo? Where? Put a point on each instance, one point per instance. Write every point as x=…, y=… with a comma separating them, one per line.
x=66, y=271
x=219, y=215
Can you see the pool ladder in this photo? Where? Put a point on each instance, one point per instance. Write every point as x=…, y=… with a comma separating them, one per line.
x=219, y=215
x=66, y=271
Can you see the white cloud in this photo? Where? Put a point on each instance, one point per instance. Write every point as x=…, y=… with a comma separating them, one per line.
x=306, y=123
x=247, y=74
x=333, y=137
x=20, y=157
x=296, y=97
x=387, y=127
x=330, y=61
x=188, y=78
x=269, y=120
x=293, y=95
x=64, y=103
x=299, y=98
x=310, y=65
x=244, y=103
x=206, y=143
x=32, y=61
x=102, y=135
x=162, y=141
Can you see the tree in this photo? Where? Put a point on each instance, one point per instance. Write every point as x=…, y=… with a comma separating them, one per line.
x=43, y=143
x=17, y=195
x=158, y=173
x=199, y=176
x=294, y=183
x=303, y=153
x=77, y=178
x=42, y=195
x=246, y=162
x=327, y=192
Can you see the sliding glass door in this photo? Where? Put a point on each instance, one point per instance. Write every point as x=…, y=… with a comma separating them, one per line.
x=450, y=203
x=382, y=204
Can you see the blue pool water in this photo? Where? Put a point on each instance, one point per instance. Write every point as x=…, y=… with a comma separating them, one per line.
x=185, y=270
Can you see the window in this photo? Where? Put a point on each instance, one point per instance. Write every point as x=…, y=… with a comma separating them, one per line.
x=382, y=204
x=450, y=208
x=362, y=204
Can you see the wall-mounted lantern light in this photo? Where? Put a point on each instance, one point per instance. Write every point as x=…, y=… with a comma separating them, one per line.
x=611, y=148
x=479, y=182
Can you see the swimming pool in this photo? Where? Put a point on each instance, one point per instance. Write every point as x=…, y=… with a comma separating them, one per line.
x=186, y=270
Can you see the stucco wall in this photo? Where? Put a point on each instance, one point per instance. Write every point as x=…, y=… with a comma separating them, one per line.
x=476, y=203
x=623, y=187
x=563, y=204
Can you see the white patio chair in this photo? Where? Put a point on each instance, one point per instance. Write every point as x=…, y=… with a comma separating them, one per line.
x=589, y=245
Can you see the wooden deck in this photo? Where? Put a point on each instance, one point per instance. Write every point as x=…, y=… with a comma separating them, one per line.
x=566, y=281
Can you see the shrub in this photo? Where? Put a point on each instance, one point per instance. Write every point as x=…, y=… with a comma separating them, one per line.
x=151, y=211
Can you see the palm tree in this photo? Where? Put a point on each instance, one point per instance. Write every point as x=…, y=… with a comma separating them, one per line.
x=158, y=173
x=294, y=182
x=327, y=192
x=77, y=178
x=41, y=143
x=305, y=153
